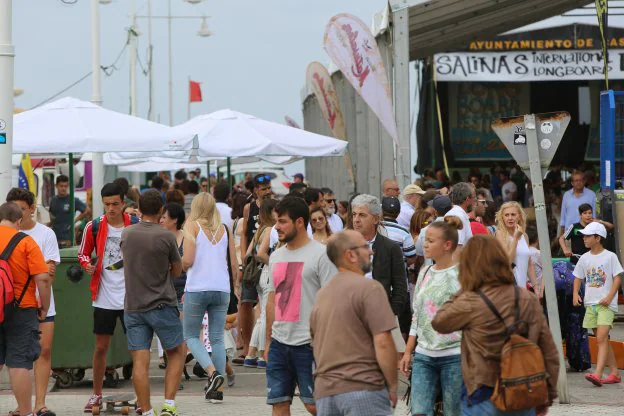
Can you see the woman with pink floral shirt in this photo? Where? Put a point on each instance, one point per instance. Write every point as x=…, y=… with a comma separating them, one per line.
x=436, y=359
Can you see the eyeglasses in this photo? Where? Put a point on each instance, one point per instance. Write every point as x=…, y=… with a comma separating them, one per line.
x=359, y=247
x=329, y=201
x=263, y=179
x=320, y=219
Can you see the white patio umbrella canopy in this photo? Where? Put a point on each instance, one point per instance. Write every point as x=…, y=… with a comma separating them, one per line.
x=227, y=133
x=153, y=164
x=70, y=125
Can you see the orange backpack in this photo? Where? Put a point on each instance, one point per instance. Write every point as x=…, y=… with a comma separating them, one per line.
x=523, y=379
x=6, y=276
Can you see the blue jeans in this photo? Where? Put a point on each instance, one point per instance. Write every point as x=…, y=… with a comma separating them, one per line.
x=430, y=372
x=195, y=305
x=487, y=408
x=164, y=320
x=289, y=366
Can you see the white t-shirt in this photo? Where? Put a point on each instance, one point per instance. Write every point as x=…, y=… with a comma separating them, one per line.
x=466, y=232
x=335, y=223
x=46, y=240
x=112, y=291
x=405, y=216
x=226, y=214
x=536, y=258
x=507, y=190
x=296, y=276
x=598, y=272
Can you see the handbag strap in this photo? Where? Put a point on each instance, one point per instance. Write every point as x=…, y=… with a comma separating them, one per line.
x=508, y=330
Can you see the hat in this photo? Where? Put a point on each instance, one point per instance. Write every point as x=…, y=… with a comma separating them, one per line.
x=412, y=189
x=298, y=175
x=595, y=228
x=390, y=205
x=441, y=203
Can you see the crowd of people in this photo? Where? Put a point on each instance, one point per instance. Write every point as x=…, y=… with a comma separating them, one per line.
x=328, y=296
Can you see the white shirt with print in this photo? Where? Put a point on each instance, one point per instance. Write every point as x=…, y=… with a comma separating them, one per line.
x=112, y=291
x=46, y=240
x=598, y=271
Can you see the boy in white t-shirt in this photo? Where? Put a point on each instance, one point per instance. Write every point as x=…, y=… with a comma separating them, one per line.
x=602, y=273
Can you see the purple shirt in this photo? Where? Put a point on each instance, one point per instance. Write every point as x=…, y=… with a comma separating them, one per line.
x=571, y=203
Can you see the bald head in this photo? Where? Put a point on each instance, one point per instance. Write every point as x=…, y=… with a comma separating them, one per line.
x=390, y=187
x=349, y=251
x=10, y=215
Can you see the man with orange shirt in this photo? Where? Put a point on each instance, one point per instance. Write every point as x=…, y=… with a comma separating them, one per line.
x=19, y=332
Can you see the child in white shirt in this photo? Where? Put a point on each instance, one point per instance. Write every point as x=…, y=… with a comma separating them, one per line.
x=602, y=273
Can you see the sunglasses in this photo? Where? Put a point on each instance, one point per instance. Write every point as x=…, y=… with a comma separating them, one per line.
x=263, y=179
x=330, y=201
x=321, y=219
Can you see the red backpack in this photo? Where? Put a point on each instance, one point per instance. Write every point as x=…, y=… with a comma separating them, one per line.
x=6, y=277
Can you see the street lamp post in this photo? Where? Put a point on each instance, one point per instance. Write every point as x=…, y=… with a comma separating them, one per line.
x=7, y=57
x=97, y=164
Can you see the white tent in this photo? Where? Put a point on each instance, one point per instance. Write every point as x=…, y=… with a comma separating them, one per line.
x=228, y=133
x=160, y=164
x=70, y=125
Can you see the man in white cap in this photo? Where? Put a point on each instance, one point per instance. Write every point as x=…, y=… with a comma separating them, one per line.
x=411, y=199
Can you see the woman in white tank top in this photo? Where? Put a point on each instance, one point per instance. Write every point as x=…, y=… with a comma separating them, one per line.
x=205, y=260
x=511, y=220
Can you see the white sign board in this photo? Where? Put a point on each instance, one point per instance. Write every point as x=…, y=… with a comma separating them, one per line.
x=528, y=66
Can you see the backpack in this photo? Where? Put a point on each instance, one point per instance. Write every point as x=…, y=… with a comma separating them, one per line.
x=252, y=267
x=522, y=382
x=6, y=276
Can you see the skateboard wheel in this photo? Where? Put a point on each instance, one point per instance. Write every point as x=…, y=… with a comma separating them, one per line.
x=125, y=410
x=95, y=410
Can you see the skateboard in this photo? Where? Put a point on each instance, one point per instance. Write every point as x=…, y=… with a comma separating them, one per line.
x=124, y=401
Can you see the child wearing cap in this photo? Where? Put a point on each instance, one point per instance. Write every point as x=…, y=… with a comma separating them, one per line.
x=602, y=273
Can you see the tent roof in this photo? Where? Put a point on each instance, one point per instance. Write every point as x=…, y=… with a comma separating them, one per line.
x=442, y=25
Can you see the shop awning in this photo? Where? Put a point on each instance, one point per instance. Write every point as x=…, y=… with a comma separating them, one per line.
x=444, y=25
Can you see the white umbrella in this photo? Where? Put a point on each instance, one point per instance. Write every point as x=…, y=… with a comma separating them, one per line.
x=70, y=125
x=228, y=133
x=154, y=164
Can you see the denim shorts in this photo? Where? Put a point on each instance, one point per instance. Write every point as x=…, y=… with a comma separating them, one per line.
x=19, y=337
x=164, y=320
x=290, y=366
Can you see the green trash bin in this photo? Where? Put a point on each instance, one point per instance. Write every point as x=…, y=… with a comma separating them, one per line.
x=74, y=342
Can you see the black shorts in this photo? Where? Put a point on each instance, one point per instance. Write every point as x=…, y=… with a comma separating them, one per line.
x=19, y=338
x=249, y=294
x=105, y=321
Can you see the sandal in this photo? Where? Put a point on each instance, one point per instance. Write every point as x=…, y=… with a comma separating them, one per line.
x=593, y=378
x=44, y=411
x=16, y=412
x=162, y=364
x=239, y=361
x=612, y=379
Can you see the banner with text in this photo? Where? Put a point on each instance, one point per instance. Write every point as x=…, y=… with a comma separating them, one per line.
x=528, y=66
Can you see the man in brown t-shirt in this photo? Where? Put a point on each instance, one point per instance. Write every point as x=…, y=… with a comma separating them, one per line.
x=351, y=326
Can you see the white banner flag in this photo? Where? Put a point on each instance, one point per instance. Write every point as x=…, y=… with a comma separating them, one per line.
x=352, y=47
x=320, y=82
x=552, y=65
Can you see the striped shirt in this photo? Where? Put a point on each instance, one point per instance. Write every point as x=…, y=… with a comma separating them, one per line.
x=401, y=236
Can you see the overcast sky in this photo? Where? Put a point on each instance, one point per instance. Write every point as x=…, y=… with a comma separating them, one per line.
x=255, y=62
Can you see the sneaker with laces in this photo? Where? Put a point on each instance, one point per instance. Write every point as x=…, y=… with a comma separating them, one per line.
x=214, y=397
x=94, y=400
x=168, y=410
x=214, y=382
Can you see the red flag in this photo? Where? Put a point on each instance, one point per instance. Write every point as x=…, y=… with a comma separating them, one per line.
x=194, y=92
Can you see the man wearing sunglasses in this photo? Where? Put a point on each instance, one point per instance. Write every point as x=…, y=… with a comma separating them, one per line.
x=249, y=294
x=333, y=219
x=477, y=212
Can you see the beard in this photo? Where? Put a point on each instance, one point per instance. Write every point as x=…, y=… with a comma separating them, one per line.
x=330, y=211
x=287, y=238
x=366, y=267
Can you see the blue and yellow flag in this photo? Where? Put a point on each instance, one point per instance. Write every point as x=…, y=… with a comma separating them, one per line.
x=26, y=175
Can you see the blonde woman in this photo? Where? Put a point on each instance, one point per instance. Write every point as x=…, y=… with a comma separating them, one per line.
x=205, y=261
x=511, y=221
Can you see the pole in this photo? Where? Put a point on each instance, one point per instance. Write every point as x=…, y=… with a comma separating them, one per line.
x=229, y=172
x=97, y=164
x=544, y=242
x=136, y=176
x=170, y=64
x=208, y=175
x=150, y=66
x=7, y=57
x=72, y=201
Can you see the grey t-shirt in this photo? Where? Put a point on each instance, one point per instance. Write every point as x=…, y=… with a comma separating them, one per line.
x=148, y=250
x=296, y=276
x=62, y=220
